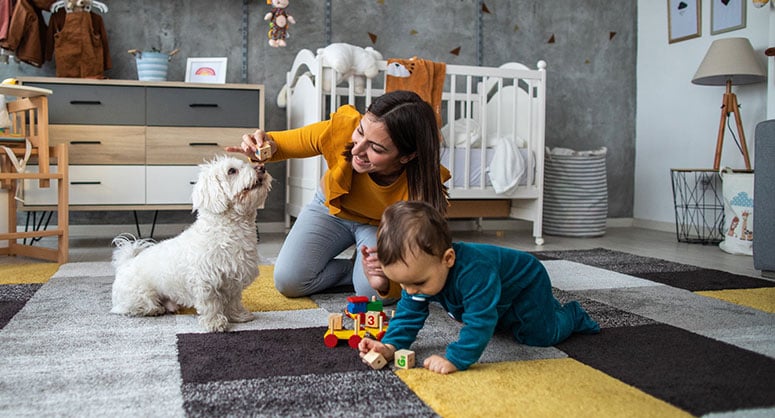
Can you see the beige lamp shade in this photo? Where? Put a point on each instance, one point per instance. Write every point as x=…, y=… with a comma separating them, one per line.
x=729, y=59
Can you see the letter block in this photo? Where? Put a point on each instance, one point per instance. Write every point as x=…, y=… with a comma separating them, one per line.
x=404, y=359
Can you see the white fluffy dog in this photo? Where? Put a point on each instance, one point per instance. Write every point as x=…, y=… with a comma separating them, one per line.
x=209, y=264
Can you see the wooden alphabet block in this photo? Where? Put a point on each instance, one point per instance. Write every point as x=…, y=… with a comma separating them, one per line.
x=335, y=321
x=264, y=152
x=371, y=319
x=375, y=360
x=404, y=359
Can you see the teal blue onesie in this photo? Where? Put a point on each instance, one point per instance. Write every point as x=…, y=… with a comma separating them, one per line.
x=490, y=288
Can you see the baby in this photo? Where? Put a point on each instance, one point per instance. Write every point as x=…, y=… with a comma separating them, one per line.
x=485, y=286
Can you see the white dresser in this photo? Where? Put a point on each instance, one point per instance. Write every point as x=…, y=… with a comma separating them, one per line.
x=135, y=145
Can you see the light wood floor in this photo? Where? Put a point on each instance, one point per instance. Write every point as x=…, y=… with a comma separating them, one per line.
x=632, y=240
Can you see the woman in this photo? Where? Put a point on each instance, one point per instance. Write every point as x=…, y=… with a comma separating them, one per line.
x=389, y=154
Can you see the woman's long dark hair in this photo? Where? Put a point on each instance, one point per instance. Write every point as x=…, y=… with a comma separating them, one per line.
x=411, y=124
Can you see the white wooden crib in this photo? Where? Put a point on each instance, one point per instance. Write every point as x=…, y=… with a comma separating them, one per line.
x=493, y=128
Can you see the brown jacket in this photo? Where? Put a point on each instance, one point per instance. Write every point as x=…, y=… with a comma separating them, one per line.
x=27, y=33
x=78, y=43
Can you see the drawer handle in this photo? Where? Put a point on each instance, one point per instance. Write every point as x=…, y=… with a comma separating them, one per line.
x=85, y=102
x=85, y=142
x=202, y=144
x=79, y=183
x=203, y=105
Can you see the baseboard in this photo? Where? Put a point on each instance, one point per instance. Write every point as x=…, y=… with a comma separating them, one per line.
x=655, y=225
x=619, y=223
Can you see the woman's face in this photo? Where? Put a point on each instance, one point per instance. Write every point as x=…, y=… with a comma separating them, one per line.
x=373, y=149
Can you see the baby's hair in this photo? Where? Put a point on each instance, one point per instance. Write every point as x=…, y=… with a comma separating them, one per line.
x=410, y=226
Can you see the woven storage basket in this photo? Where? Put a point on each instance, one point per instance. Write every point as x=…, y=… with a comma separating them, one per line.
x=575, y=193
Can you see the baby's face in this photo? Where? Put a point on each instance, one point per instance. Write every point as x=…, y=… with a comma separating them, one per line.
x=423, y=273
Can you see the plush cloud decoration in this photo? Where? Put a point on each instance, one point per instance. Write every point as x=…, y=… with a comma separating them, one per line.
x=349, y=60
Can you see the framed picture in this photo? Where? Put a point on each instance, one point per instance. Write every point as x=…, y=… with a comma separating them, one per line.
x=726, y=15
x=683, y=20
x=206, y=70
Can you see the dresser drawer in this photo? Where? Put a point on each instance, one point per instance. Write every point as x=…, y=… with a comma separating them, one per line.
x=91, y=144
x=188, y=146
x=179, y=106
x=170, y=185
x=93, y=185
x=94, y=104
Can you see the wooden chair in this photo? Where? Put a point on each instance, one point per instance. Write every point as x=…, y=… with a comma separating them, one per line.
x=29, y=123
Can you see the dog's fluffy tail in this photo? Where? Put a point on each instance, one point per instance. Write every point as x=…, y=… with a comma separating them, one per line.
x=127, y=248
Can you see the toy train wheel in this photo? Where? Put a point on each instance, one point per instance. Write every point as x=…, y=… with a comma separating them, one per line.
x=330, y=340
x=354, y=341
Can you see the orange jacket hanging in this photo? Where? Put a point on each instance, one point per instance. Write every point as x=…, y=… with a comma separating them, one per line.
x=78, y=43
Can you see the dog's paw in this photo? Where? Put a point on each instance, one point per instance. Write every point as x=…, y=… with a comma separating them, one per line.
x=244, y=316
x=217, y=323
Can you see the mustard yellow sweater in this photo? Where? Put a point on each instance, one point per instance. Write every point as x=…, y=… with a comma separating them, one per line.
x=349, y=195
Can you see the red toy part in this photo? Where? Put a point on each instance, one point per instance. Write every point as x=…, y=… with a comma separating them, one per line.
x=354, y=340
x=331, y=340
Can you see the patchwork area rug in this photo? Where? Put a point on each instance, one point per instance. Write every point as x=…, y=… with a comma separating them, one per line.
x=676, y=340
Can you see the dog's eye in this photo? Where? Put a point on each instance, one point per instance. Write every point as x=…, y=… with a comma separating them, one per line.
x=232, y=171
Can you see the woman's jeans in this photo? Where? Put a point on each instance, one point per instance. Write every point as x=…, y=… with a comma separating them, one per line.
x=307, y=262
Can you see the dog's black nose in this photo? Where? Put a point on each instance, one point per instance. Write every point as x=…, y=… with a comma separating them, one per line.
x=260, y=169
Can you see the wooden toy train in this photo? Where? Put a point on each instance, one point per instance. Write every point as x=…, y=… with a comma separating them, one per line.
x=369, y=321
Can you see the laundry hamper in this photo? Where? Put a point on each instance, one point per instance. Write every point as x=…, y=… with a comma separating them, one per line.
x=575, y=193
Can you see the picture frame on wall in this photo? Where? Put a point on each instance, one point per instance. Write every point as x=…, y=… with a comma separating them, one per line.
x=206, y=70
x=727, y=15
x=683, y=20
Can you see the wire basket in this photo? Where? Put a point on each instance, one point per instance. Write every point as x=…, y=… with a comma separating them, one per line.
x=699, y=208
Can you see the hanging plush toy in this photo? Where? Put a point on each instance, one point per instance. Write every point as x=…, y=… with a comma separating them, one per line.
x=279, y=20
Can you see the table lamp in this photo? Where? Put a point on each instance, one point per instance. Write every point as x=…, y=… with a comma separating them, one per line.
x=729, y=61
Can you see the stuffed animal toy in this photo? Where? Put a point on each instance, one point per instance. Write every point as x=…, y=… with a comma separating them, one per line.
x=349, y=60
x=78, y=5
x=279, y=20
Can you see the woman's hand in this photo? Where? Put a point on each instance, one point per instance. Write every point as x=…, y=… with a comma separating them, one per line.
x=252, y=142
x=439, y=365
x=373, y=270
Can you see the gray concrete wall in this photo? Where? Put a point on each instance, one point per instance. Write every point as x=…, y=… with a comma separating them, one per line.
x=589, y=46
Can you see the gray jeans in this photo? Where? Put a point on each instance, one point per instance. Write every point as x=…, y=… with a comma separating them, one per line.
x=307, y=262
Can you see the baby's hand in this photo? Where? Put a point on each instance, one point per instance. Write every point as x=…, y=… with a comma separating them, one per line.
x=367, y=344
x=439, y=365
x=373, y=270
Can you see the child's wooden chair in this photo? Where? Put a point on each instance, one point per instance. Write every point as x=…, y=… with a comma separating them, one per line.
x=27, y=137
